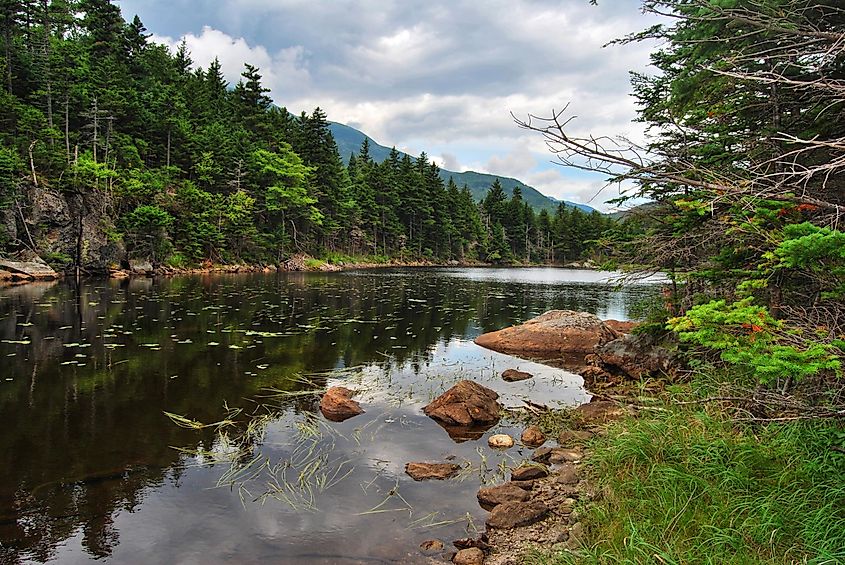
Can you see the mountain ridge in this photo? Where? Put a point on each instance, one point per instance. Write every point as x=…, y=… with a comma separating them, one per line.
x=349, y=142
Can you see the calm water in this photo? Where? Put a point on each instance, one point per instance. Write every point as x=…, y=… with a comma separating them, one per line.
x=92, y=468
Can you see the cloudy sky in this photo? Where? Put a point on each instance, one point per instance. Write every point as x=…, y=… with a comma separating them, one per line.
x=440, y=76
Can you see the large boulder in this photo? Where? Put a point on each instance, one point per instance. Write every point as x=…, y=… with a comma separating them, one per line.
x=33, y=270
x=638, y=356
x=556, y=333
x=465, y=404
x=337, y=404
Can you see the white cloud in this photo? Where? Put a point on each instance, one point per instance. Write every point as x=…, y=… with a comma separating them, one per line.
x=441, y=76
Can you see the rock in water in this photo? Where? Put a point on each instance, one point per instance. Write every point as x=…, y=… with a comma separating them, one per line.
x=513, y=375
x=465, y=404
x=471, y=556
x=533, y=436
x=337, y=404
x=432, y=545
x=500, y=441
x=553, y=334
x=490, y=497
x=516, y=514
x=426, y=471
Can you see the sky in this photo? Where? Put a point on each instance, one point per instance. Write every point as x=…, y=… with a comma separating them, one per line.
x=441, y=76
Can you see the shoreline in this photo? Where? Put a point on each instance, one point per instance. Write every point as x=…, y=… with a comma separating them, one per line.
x=297, y=264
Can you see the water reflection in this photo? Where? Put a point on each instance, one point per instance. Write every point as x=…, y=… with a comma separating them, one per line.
x=87, y=465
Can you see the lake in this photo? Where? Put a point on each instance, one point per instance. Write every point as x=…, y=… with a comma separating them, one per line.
x=244, y=469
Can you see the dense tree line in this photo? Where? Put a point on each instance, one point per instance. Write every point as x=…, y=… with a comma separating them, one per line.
x=170, y=162
x=746, y=168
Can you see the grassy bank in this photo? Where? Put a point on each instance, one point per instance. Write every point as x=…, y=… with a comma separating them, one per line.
x=685, y=484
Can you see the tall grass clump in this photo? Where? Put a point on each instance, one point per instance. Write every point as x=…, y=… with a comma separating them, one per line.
x=690, y=486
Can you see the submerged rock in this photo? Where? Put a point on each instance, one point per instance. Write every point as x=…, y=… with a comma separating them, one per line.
x=490, y=497
x=553, y=334
x=533, y=436
x=465, y=404
x=432, y=545
x=435, y=471
x=516, y=514
x=337, y=404
x=513, y=375
x=500, y=441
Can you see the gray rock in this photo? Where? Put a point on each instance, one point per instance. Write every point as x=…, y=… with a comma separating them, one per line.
x=32, y=269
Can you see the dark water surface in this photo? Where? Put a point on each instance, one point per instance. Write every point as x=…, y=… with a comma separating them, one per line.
x=91, y=468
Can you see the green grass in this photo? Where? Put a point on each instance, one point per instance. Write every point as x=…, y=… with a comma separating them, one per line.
x=689, y=486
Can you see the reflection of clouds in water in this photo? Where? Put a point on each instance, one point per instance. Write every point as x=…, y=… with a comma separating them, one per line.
x=416, y=385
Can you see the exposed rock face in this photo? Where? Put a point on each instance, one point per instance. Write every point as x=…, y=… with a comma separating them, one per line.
x=533, y=436
x=638, y=356
x=516, y=514
x=500, y=441
x=427, y=471
x=31, y=270
x=53, y=225
x=513, y=375
x=337, y=404
x=553, y=334
x=529, y=472
x=490, y=497
x=465, y=404
x=470, y=556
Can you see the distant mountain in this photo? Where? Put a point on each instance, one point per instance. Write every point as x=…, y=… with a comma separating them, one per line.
x=349, y=141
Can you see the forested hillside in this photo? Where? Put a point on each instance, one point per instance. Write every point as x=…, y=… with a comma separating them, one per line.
x=349, y=142
x=112, y=147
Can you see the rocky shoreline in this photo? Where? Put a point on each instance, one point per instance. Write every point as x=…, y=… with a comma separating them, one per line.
x=36, y=269
x=538, y=508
